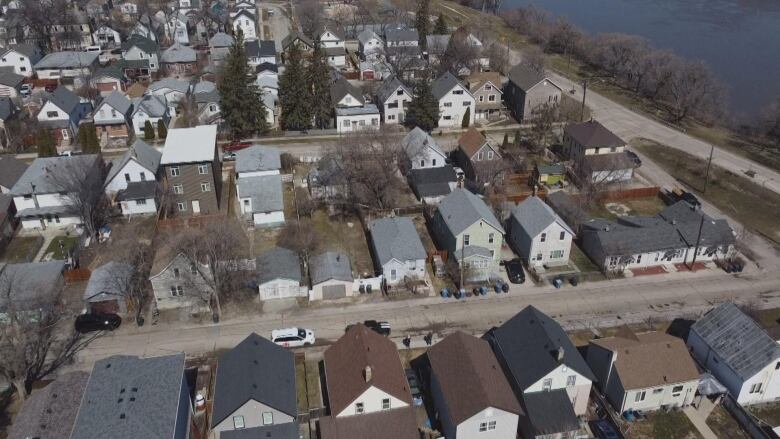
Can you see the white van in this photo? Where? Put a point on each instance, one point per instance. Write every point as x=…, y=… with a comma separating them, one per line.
x=293, y=337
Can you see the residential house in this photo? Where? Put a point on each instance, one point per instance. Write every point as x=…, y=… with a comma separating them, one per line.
x=109, y=79
x=279, y=275
x=738, y=352
x=10, y=83
x=538, y=234
x=7, y=219
x=139, y=198
x=8, y=112
x=529, y=91
x=331, y=276
x=467, y=228
x=126, y=395
x=326, y=181
x=179, y=60
x=246, y=4
x=333, y=46
x=177, y=282
x=678, y=235
x=129, y=9
x=398, y=253
x=142, y=49
x=261, y=199
x=431, y=185
x=22, y=57
x=455, y=101
x=370, y=45
x=245, y=21
x=260, y=51
x=402, y=38
x=479, y=158
x=265, y=406
x=548, y=375
x=598, y=154
x=107, y=37
x=436, y=46
x=258, y=160
x=219, y=47
x=271, y=104
x=473, y=399
x=550, y=175
x=193, y=172
x=393, y=98
x=68, y=66
x=298, y=39
x=174, y=91
x=268, y=84
x=208, y=106
x=353, y=113
x=108, y=287
x=11, y=170
x=486, y=88
x=422, y=151
x=643, y=372
x=176, y=31
x=41, y=193
x=50, y=412
x=152, y=109
x=366, y=389
x=71, y=33
x=112, y=118
x=30, y=287
x=62, y=113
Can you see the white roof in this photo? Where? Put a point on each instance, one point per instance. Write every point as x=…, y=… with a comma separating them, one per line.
x=190, y=145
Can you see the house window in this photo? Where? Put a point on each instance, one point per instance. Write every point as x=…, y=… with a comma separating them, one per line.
x=490, y=155
x=393, y=274
x=174, y=171
x=345, y=124
x=268, y=418
x=447, y=117
x=178, y=189
x=556, y=254
x=359, y=408
x=362, y=123
x=238, y=422
x=422, y=163
x=385, y=403
x=52, y=114
x=640, y=396
x=182, y=206
x=755, y=388
x=193, y=269
x=127, y=177
x=491, y=425
x=547, y=384
x=488, y=87
x=639, y=258
x=482, y=427
x=399, y=93
x=657, y=391
x=203, y=169
x=466, y=103
x=676, y=390
x=490, y=238
x=213, y=108
x=544, y=237
x=176, y=273
x=447, y=104
x=177, y=290
x=205, y=187
x=466, y=239
x=140, y=202
x=433, y=162
x=457, y=92
x=246, y=203
x=481, y=98
x=391, y=117
x=562, y=236
x=492, y=98
x=613, y=260
x=479, y=156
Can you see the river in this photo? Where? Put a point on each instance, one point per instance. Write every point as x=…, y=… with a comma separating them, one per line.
x=738, y=39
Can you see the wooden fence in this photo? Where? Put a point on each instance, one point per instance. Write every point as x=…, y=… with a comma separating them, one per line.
x=77, y=275
x=630, y=194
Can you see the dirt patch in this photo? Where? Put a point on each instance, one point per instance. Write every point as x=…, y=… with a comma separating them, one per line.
x=724, y=425
x=344, y=233
x=663, y=425
x=21, y=249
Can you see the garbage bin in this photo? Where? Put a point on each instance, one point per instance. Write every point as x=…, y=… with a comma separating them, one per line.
x=557, y=282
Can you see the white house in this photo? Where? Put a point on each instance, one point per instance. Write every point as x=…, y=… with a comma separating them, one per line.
x=352, y=111
x=106, y=37
x=738, y=352
x=260, y=51
x=208, y=103
x=140, y=48
x=149, y=108
x=173, y=90
x=455, y=100
x=139, y=198
x=139, y=163
x=422, y=151
x=245, y=21
x=144, y=28
x=43, y=196
x=22, y=57
x=257, y=161
x=128, y=9
x=334, y=48
x=10, y=82
x=331, y=276
x=279, y=275
x=75, y=65
x=397, y=249
x=260, y=198
x=538, y=234
x=370, y=45
x=176, y=29
x=62, y=113
x=393, y=98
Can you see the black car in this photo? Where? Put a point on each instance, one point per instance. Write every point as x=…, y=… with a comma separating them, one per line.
x=634, y=158
x=97, y=322
x=374, y=325
x=603, y=430
x=690, y=199
x=514, y=270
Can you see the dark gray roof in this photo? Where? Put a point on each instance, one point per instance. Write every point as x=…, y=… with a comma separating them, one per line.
x=34, y=284
x=275, y=431
x=330, y=265
x=443, y=84
x=432, y=182
x=67, y=60
x=108, y=282
x=592, y=134
x=7, y=108
x=204, y=86
x=340, y=88
x=170, y=83
x=389, y=87
x=118, y=102
x=141, y=152
x=9, y=78
x=221, y=39
x=265, y=192
x=207, y=97
x=64, y=99
x=334, y=51
x=526, y=77
x=329, y=172
x=550, y=412
x=140, y=42
x=44, y=173
x=113, y=71
x=267, y=48
x=278, y=263
x=737, y=340
x=396, y=238
x=258, y=158
x=399, y=35
x=153, y=105
x=178, y=53
x=295, y=35
x=366, y=35
x=417, y=140
x=267, y=67
x=11, y=170
x=138, y=190
x=528, y=344
x=256, y=369
x=354, y=111
x=129, y=397
x=461, y=209
x=534, y=215
x=28, y=50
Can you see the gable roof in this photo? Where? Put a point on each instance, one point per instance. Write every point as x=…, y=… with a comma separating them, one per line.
x=432, y=182
x=64, y=99
x=190, y=145
x=65, y=60
x=9, y=78
x=341, y=88
x=398, y=35
x=204, y=86
x=461, y=208
x=288, y=430
x=258, y=158
x=550, y=412
x=265, y=192
x=44, y=173
x=737, y=340
x=278, y=263
x=141, y=42
x=593, y=134
x=534, y=215
x=529, y=343
x=11, y=170
x=153, y=105
x=138, y=190
x=525, y=77
x=110, y=279
x=397, y=423
x=477, y=80
x=255, y=369
x=296, y=35
x=650, y=359
x=346, y=362
x=221, y=39
x=113, y=71
x=367, y=35
x=472, y=141
x=118, y=102
x=388, y=88
x=267, y=48
x=396, y=238
x=443, y=84
x=141, y=152
x=128, y=397
x=476, y=383
x=171, y=83
x=178, y=53
x=330, y=265
x=417, y=139
x=29, y=50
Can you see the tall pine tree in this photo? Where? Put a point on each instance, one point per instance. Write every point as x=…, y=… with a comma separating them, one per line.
x=319, y=78
x=424, y=108
x=294, y=95
x=148, y=130
x=87, y=138
x=440, y=28
x=422, y=21
x=240, y=99
x=47, y=144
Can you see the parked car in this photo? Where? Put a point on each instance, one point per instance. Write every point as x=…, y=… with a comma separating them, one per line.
x=50, y=87
x=514, y=271
x=97, y=322
x=604, y=430
x=414, y=386
x=293, y=337
x=376, y=326
x=229, y=156
x=236, y=146
x=635, y=158
x=26, y=89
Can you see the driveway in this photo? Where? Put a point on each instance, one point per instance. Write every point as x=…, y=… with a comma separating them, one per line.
x=279, y=23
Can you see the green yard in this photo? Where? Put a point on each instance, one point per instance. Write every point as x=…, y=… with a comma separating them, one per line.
x=60, y=247
x=21, y=249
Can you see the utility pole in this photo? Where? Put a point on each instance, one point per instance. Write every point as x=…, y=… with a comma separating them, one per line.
x=707, y=174
x=698, y=240
x=582, y=107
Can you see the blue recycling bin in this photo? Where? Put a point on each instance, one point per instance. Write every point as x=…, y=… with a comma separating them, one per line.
x=445, y=292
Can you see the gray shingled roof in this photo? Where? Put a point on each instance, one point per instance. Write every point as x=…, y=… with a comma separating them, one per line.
x=389, y=87
x=396, y=238
x=256, y=369
x=7, y=108
x=171, y=83
x=528, y=344
x=525, y=77
x=154, y=106
x=28, y=50
x=210, y=97
x=340, y=88
x=432, y=182
x=11, y=170
x=9, y=78
x=34, y=284
x=129, y=397
x=258, y=158
x=278, y=263
x=67, y=60
x=204, y=86
x=64, y=99
x=461, y=208
x=265, y=192
x=330, y=265
x=534, y=215
x=592, y=134
x=267, y=48
x=118, y=102
x=108, y=282
x=140, y=42
x=44, y=173
x=221, y=39
x=145, y=155
x=138, y=190
x=399, y=35
x=366, y=35
x=354, y=111
x=443, y=84
x=178, y=53
x=737, y=340
x=550, y=412
x=287, y=430
x=417, y=139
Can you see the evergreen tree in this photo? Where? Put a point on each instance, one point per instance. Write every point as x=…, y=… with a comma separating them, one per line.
x=505, y=143
x=422, y=21
x=240, y=99
x=148, y=130
x=47, y=144
x=423, y=109
x=440, y=28
x=162, y=130
x=87, y=138
x=466, y=118
x=293, y=96
x=319, y=78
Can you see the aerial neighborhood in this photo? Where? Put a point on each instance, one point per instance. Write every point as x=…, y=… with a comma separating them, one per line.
x=347, y=220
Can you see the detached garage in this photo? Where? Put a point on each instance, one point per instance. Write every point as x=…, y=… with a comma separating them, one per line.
x=107, y=288
x=279, y=275
x=331, y=276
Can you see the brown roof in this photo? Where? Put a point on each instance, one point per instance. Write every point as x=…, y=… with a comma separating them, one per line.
x=477, y=80
x=51, y=412
x=388, y=424
x=592, y=134
x=608, y=162
x=650, y=359
x=471, y=141
x=470, y=377
x=136, y=90
x=346, y=362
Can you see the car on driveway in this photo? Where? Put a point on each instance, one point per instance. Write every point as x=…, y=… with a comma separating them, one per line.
x=293, y=337
x=229, y=156
x=414, y=386
x=97, y=322
x=634, y=158
x=514, y=271
x=26, y=89
x=604, y=430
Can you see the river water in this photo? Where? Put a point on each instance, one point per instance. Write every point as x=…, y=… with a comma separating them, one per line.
x=738, y=39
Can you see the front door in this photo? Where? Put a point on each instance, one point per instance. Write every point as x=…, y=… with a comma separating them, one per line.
x=195, y=206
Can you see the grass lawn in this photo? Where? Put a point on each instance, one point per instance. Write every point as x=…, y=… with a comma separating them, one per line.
x=60, y=247
x=660, y=425
x=21, y=249
x=648, y=206
x=313, y=384
x=724, y=425
x=770, y=413
x=754, y=206
x=344, y=234
x=581, y=260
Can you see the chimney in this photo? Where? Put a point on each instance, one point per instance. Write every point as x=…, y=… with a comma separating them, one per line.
x=606, y=228
x=367, y=373
x=559, y=357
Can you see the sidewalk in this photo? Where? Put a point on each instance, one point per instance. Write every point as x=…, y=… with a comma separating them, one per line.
x=699, y=417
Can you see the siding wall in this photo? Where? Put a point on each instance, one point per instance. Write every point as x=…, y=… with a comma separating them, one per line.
x=372, y=402
x=191, y=181
x=252, y=412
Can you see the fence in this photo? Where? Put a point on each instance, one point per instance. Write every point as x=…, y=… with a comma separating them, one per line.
x=745, y=419
x=631, y=194
x=77, y=275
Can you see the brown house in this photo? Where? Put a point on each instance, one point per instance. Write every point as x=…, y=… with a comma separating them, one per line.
x=193, y=172
x=179, y=60
x=486, y=88
x=476, y=155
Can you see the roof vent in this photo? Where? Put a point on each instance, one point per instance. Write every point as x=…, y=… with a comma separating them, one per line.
x=122, y=416
x=367, y=373
x=559, y=355
x=606, y=228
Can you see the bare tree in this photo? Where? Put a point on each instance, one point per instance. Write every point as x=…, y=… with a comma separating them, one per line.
x=460, y=55
x=310, y=16
x=694, y=91
x=563, y=37
x=498, y=57
x=188, y=116
x=534, y=58
x=138, y=256
x=300, y=236
x=81, y=180
x=304, y=203
x=770, y=124
x=18, y=133
x=542, y=124
x=491, y=173
x=403, y=61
